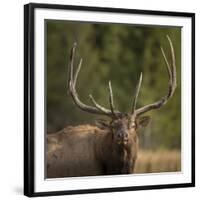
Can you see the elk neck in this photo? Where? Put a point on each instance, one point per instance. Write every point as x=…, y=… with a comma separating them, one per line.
x=115, y=158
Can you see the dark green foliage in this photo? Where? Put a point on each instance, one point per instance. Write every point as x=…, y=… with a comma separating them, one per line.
x=117, y=53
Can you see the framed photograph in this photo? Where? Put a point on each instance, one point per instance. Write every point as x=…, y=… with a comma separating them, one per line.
x=108, y=99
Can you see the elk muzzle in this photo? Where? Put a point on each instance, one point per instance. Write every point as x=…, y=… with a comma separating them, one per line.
x=122, y=137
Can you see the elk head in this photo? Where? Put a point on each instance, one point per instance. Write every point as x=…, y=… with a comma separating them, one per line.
x=123, y=126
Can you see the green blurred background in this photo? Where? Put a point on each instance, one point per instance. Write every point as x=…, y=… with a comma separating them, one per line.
x=118, y=53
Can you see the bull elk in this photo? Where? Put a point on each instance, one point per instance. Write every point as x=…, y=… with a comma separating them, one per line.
x=111, y=146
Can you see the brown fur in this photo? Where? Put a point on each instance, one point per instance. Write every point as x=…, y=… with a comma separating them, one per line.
x=87, y=150
x=71, y=151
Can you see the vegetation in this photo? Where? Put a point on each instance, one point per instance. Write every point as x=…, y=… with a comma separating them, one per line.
x=117, y=53
x=158, y=161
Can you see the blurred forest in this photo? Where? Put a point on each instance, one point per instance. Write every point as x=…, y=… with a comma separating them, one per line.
x=119, y=53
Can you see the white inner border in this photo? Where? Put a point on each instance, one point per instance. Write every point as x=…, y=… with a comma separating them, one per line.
x=63, y=184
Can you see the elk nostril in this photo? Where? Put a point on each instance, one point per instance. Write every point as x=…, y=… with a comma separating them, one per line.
x=126, y=135
x=120, y=137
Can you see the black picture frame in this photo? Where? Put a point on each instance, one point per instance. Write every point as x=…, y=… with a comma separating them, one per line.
x=29, y=96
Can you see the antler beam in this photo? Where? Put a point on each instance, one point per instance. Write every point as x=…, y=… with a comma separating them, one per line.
x=172, y=82
x=97, y=109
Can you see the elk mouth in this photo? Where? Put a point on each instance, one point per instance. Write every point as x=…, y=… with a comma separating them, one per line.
x=122, y=142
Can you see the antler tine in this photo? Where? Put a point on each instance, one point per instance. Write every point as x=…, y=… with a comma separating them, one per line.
x=136, y=94
x=72, y=89
x=172, y=83
x=167, y=64
x=71, y=65
x=111, y=99
x=99, y=107
x=77, y=71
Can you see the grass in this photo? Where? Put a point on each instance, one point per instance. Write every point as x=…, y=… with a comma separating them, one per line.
x=149, y=161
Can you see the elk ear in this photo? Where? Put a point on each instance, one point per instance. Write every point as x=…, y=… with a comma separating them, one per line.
x=102, y=124
x=143, y=121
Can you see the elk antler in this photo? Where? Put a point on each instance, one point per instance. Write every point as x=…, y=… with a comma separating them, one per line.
x=172, y=84
x=136, y=94
x=97, y=109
